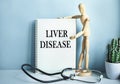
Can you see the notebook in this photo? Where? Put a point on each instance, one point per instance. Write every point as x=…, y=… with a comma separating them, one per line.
x=54, y=50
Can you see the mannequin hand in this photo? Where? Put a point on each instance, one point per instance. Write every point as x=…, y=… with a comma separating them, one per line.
x=72, y=37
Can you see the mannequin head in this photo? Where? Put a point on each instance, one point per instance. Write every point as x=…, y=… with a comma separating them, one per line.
x=82, y=9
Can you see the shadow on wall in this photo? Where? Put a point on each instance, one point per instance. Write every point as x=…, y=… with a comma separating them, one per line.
x=78, y=42
x=31, y=49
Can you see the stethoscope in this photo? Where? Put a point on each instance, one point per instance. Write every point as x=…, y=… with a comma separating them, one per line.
x=71, y=76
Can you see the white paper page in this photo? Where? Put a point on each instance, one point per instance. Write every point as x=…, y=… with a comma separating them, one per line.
x=49, y=58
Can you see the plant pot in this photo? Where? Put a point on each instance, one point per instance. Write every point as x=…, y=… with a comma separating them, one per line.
x=112, y=70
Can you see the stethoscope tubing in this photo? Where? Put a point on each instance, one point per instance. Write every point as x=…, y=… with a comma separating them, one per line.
x=64, y=77
x=49, y=74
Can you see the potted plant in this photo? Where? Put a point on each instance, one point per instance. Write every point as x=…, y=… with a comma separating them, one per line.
x=112, y=64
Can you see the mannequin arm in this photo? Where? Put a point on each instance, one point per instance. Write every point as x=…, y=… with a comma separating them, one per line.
x=86, y=25
x=71, y=17
x=77, y=35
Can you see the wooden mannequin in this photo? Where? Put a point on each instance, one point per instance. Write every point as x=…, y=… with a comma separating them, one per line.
x=85, y=44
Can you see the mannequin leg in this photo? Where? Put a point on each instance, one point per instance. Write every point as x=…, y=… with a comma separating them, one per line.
x=81, y=55
x=87, y=53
